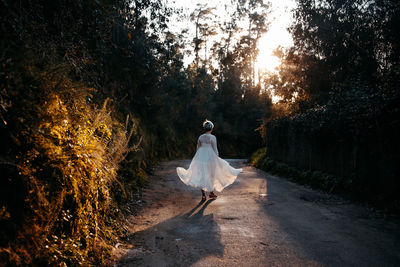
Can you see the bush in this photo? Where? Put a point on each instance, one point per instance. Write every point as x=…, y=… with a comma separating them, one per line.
x=63, y=160
x=353, y=136
x=258, y=155
x=314, y=179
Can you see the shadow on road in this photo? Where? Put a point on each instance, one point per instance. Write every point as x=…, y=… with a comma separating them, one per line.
x=185, y=239
x=329, y=233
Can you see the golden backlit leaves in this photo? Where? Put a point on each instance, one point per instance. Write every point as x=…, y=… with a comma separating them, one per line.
x=76, y=150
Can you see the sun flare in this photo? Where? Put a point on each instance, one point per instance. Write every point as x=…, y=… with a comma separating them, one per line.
x=266, y=61
x=275, y=37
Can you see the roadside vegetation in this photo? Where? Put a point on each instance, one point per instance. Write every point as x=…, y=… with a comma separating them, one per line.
x=93, y=94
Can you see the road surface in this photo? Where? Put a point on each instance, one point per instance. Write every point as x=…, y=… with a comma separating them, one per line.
x=260, y=220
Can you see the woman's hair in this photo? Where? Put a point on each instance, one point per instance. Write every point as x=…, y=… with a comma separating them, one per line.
x=208, y=125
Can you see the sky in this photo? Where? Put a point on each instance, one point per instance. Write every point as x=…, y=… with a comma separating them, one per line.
x=279, y=18
x=277, y=34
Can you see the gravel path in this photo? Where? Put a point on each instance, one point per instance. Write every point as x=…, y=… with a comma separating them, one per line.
x=260, y=220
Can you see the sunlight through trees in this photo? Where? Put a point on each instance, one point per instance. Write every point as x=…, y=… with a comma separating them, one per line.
x=93, y=94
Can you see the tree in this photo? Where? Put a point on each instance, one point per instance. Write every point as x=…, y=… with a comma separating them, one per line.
x=343, y=39
x=202, y=16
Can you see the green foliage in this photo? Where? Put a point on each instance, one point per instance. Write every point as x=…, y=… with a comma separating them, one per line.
x=258, y=155
x=61, y=149
x=66, y=154
x=315, y=179
x=70, y=73
x=336, y=42
x=353, y=136
x=339, y=112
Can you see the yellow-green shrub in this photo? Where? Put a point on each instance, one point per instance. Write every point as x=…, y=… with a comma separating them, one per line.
x=257, y=156
x=68, y=163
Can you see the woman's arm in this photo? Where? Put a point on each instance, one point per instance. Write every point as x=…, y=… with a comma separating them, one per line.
x=198, y=144
x=214, y=145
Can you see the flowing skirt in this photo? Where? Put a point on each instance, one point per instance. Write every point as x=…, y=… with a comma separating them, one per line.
x=208, y=171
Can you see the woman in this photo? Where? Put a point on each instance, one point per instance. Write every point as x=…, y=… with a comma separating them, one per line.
x=208, y=171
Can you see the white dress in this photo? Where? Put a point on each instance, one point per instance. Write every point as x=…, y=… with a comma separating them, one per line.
x=208, y=171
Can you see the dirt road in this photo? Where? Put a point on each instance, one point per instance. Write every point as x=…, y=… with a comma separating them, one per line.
x=260, y=220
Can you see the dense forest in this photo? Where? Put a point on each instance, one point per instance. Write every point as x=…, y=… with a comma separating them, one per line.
x=93, y=94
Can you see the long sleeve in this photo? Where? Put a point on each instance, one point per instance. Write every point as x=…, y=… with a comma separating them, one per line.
x=198, y=144
x=214, y=145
